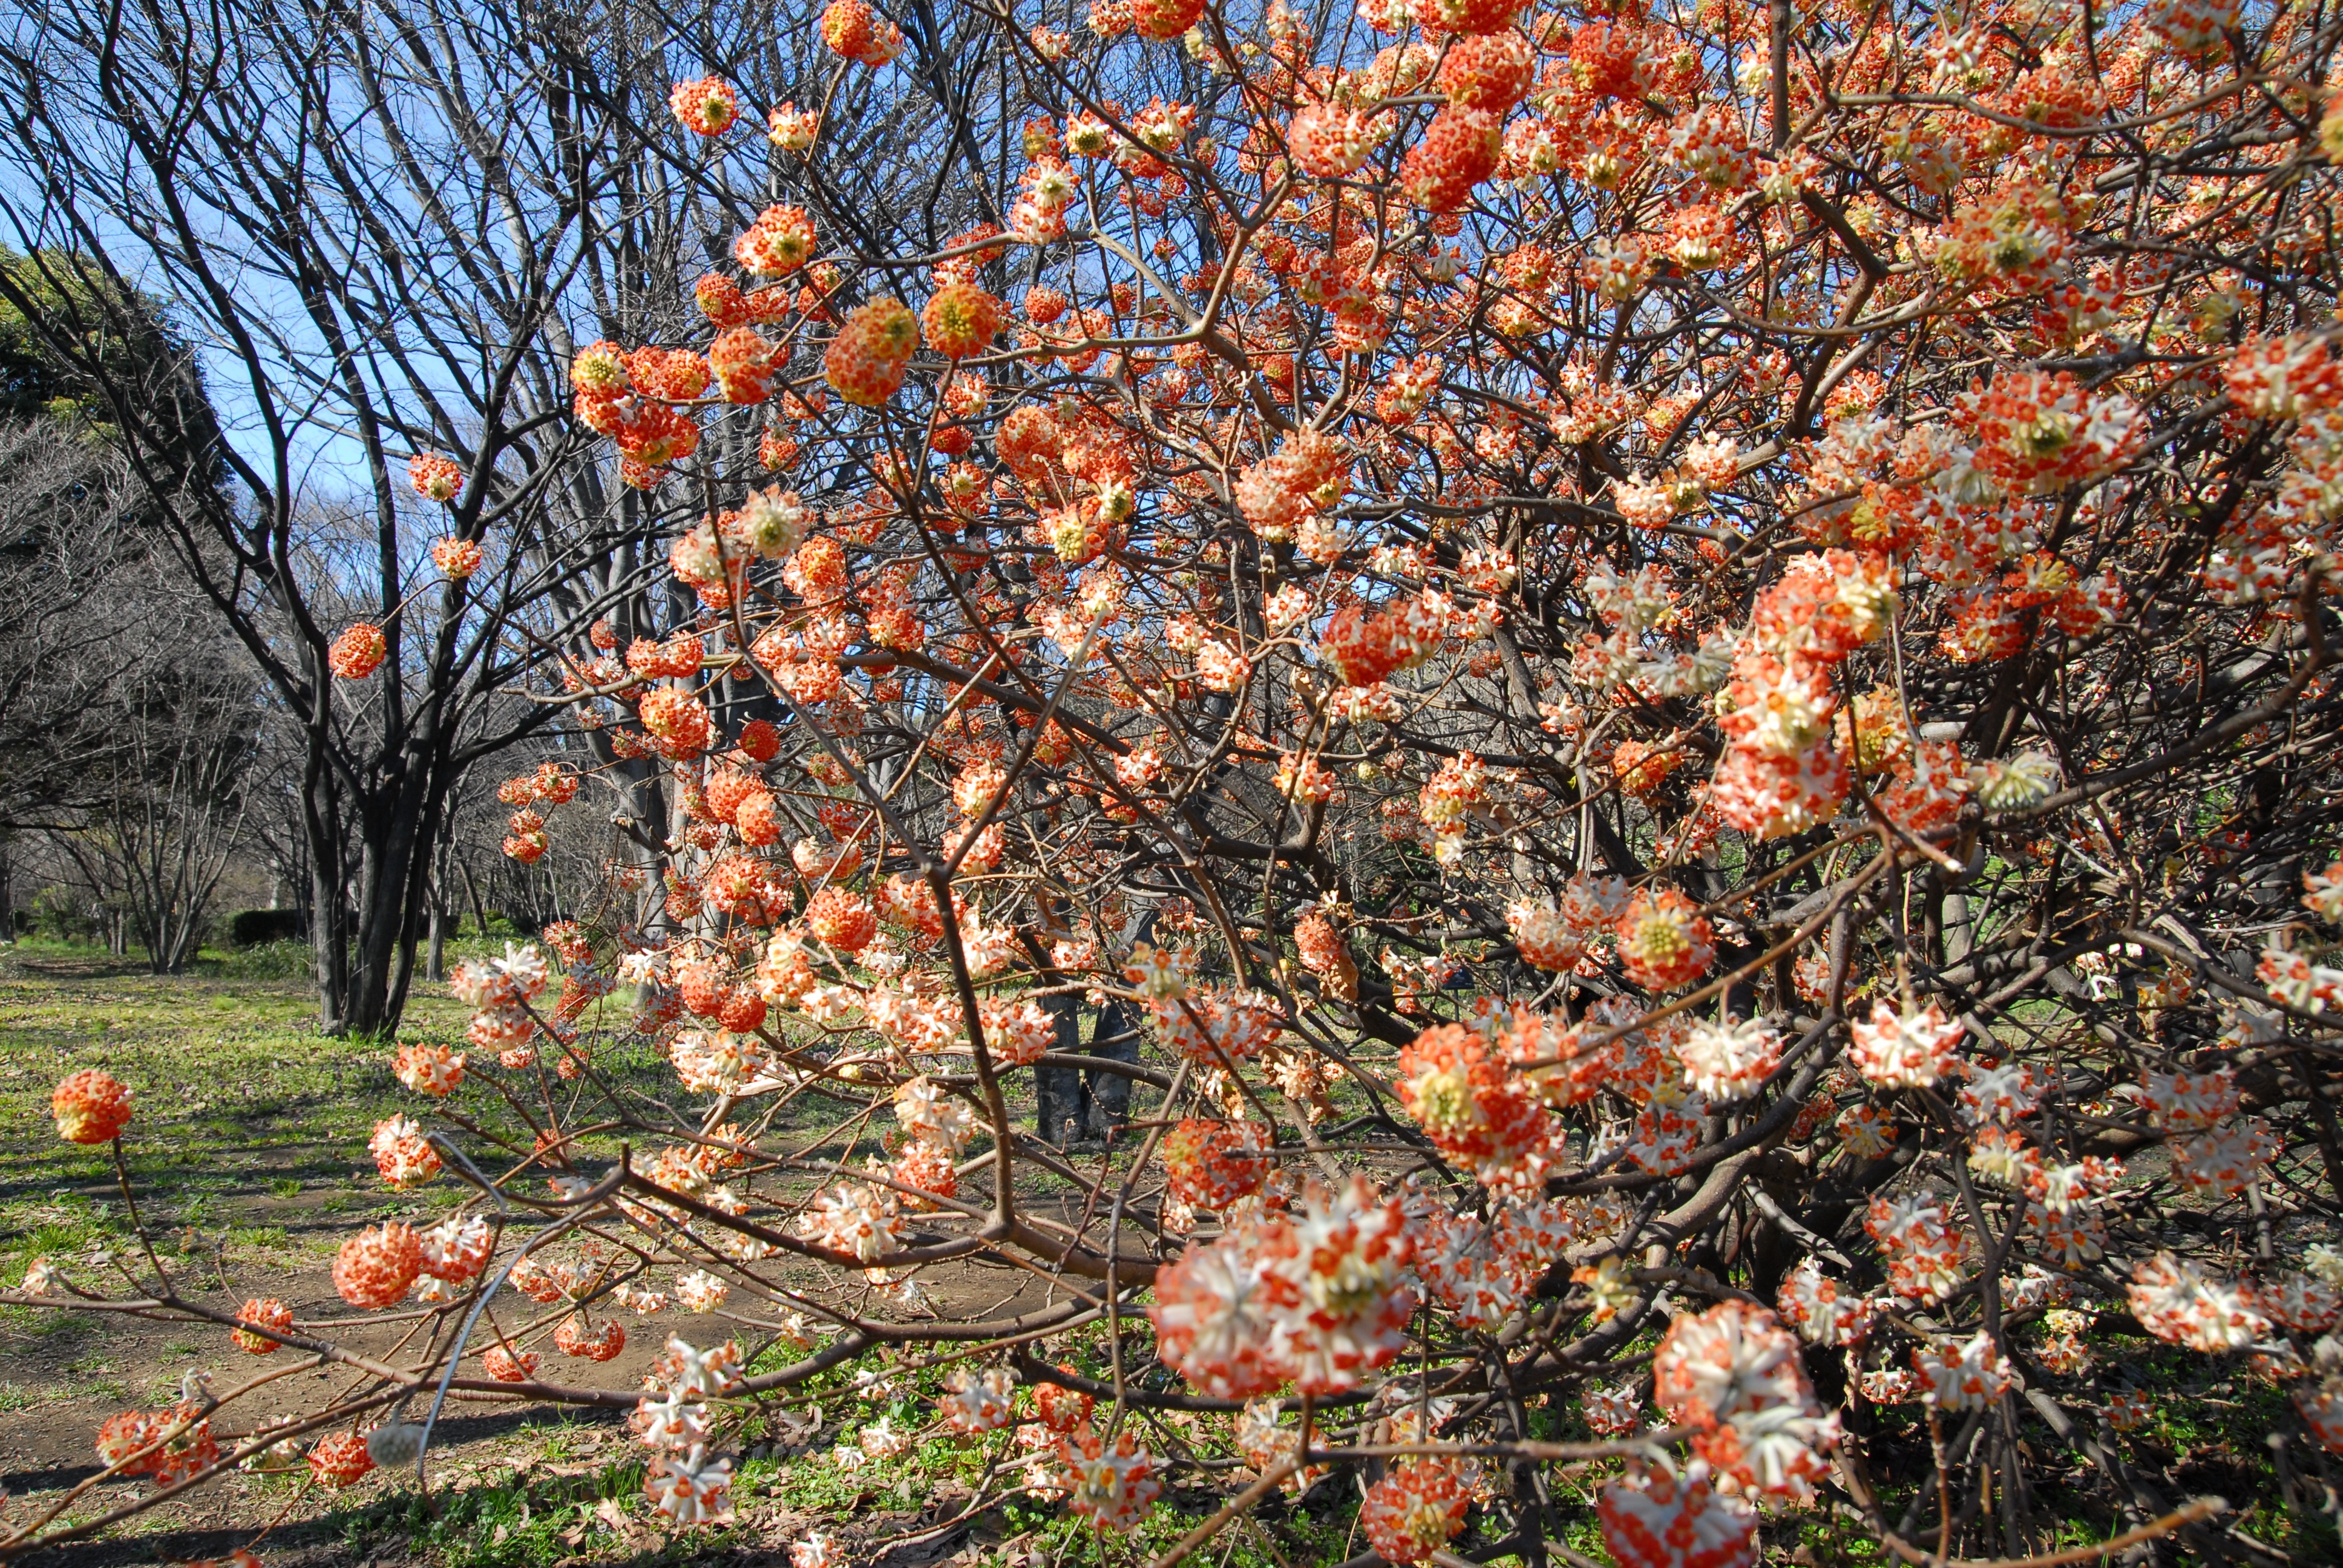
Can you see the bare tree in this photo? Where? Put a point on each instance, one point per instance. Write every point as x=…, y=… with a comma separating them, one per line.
x=127, y=718
x=368, y=223
x=64, y=551
x=170, y=804
x=386, y=229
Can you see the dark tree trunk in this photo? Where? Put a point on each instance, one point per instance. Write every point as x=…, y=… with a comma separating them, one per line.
x=472, y=890
x=370, y=878
x=329, y=936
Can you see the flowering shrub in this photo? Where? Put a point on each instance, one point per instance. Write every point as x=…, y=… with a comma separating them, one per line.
x=1681, y=689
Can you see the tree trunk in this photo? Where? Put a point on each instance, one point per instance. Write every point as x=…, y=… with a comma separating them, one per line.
x=329, y=912
x=472, y=887
x=365, y=936
x=373, y=956
x=418, y=825
x=1959, y=936
x=393, y=877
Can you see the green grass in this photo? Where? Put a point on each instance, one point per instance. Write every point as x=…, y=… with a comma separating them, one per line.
x=536, y=1517
x=266, y=961
x=2208, y=1421
x=248, y=1133
x=515, y=1521
x=236, y=1093
x=250, y=1124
